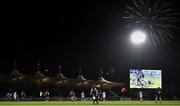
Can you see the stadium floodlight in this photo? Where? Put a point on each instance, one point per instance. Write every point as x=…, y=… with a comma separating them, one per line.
x=138, y=37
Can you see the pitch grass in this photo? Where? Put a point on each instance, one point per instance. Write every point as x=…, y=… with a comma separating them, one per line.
x=89, y=103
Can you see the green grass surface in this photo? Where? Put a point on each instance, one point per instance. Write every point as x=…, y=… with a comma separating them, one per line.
x=89, y=103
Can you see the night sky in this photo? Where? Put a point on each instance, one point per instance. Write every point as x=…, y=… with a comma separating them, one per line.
x=87, y=33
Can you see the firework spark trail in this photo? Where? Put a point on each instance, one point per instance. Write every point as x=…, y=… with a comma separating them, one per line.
x=157, y=18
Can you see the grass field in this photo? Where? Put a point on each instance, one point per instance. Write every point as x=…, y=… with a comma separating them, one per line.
x=89, y=103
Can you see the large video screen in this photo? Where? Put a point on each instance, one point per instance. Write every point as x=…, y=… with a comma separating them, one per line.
x=143, y=78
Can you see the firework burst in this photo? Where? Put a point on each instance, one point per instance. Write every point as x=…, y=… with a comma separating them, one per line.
x=157, y=18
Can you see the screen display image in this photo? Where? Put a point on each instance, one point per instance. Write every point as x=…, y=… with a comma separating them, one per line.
x=143, y=78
